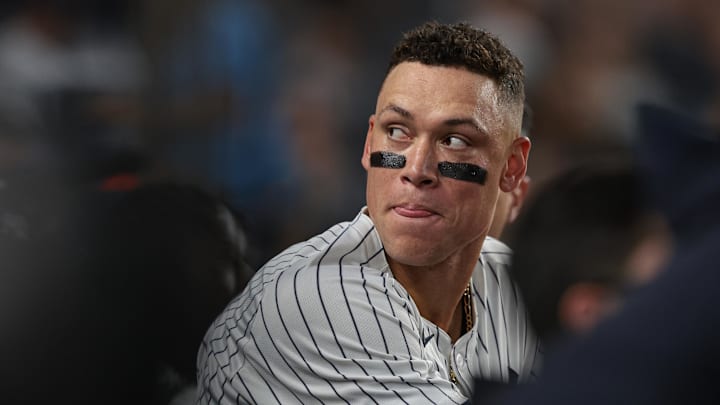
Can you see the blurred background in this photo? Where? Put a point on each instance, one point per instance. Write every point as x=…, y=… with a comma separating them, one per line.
x=266, y=102
x=263, y=104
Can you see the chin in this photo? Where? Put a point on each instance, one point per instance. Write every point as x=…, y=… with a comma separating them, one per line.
x=417, y=255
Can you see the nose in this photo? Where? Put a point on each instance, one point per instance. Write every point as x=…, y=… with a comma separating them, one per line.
x=421, y=166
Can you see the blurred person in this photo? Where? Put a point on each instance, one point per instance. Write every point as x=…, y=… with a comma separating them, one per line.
x=408, y=302
x=661, y=346
x=178, y=255
x=106, y=295
x=614, y=241
x=48, y=344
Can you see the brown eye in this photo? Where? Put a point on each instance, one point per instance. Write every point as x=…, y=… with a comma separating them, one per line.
x=396, y=134
x=455, y=142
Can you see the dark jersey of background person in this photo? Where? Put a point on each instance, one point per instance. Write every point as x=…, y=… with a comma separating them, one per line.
x=661, y=348
x=114, y=290
x=178, y=254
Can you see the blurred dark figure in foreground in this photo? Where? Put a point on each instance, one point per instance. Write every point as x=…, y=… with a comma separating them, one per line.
x=49, y=300
x=176, y=256
x=582, y=240
x=612, y=240
x=661, y=347
x=106, y=296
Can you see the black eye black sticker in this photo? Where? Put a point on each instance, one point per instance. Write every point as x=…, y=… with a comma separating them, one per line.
x=387, y=160
x=457, y=171
x=463, y=171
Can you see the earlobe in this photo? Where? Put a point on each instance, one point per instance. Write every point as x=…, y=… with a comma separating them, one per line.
x=519, y=194
x=516, y=164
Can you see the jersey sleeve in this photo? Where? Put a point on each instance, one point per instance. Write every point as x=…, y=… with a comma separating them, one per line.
x=332, y=334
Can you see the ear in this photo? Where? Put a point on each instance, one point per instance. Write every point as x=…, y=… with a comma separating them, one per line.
x=516, y=164
x=582, y=306
x=518, y=198
x=365, y=160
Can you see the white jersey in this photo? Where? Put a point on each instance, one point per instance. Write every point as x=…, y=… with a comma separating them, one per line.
x=326, y=322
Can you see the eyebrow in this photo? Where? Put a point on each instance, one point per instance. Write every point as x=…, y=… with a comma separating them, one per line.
x=454, y=122
x=397, y=109
x=450, y=122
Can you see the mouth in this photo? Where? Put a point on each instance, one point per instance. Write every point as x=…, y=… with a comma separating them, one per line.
x=413, y=211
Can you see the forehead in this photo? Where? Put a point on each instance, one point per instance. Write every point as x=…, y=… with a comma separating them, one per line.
x=441, y=91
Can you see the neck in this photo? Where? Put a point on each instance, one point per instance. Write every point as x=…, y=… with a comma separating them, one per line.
x=438, y=289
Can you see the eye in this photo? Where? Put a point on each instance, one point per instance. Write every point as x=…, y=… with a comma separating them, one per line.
x=455, y=142
x=397, y=134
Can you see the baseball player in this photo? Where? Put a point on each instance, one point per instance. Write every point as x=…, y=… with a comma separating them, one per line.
x=409, y=302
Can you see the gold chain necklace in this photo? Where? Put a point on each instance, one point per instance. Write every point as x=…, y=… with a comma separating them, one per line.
x=466, y=326
x=467, y=310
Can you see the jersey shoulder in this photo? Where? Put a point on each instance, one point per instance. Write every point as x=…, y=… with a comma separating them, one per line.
x=351, y=243
x=496, y=252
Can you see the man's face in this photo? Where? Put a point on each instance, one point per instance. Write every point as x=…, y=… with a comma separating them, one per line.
x=432, y=114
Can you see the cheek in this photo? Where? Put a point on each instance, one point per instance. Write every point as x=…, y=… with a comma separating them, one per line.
x=476, y=203
x=376, y=186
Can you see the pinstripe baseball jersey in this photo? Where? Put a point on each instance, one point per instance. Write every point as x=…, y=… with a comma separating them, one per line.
x=325, y=321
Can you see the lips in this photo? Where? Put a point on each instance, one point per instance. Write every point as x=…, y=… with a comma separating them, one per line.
x=413, y=211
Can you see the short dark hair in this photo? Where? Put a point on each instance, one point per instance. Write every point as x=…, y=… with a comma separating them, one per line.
x=461, y=45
